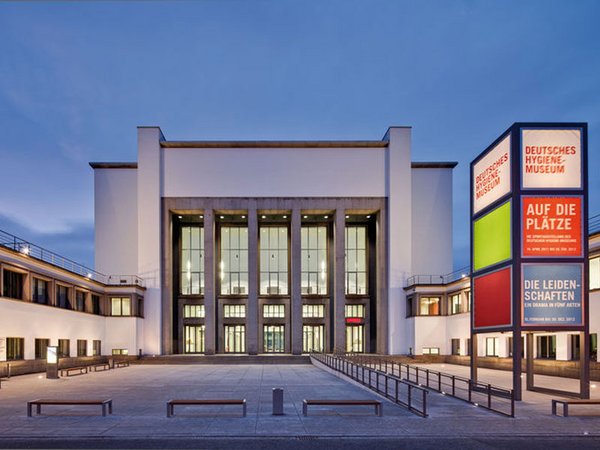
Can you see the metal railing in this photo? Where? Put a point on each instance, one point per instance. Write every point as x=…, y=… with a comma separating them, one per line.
x=31, y=250
x=594, y=224
x=438, y=279
x=484, y=395
x=405, y=394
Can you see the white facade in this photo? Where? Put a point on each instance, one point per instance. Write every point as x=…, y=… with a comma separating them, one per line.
x=275, y=170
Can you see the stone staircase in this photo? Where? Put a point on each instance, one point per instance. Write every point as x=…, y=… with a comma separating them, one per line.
x=223, y=359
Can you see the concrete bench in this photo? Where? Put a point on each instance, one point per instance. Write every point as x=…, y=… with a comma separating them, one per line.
x=101, y=367
x=106, y=404
x=70, y=371
x=171, y=404
x=375, y=403
x=121, y=364
x=566, y=403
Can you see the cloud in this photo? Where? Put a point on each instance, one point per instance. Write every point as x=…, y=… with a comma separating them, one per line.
x=76, y=244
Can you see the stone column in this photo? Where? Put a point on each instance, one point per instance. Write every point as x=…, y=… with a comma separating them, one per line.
x=339, y=286
x=210, y=331
x=252, y=308
x=296, y=287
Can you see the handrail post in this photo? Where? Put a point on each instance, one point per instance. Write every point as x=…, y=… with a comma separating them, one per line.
x=489, y=387
x=439, y=381
x=453, y=386
x=512, y=403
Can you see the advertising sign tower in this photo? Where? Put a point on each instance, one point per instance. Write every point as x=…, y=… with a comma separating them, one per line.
x=529, y=253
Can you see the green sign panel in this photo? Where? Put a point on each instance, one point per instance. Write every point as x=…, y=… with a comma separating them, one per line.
x=491, y=237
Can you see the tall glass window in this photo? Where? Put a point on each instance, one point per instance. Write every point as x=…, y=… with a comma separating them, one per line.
x=62, y=297
x=355, y=311
x=273, y=261
x=314, y=260
x=13, y=284
x=194, y=339
x=429, y=306
x=193, y=311
x=120, y=306
x=454, y=304
x=312, y=338
x=274, y=338
x=235, y=338
x=233, y=268
x=270, y=311
x=313, y=311
x=492, y=345
x=192, y=260
x=81, y=347
x=80, y=300
x=355, y=338
x=546, y=347
x=234, y=311
x=356, y=260
x=40, y=291
x=64, y=348
x=41, y=346
x=15, y=348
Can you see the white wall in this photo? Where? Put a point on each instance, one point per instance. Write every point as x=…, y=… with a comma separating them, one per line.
x=431, y=221
x=149, y=188
x=398, y=191
x=122, y=333
x=31, y=321
x=115, y=215
x=431, y=332
x=274, y=172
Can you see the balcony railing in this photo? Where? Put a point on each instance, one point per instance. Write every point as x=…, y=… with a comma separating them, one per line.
x=438, y=279
x=31, y=250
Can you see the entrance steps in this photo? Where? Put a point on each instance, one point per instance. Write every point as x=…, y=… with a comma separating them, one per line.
x=224, y=359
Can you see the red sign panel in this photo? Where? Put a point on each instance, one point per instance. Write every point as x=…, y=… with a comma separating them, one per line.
x=354, y=320
x=552, y=226
x=493, y=297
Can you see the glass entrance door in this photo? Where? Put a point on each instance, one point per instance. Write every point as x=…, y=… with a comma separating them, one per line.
x=274, y=338
x=355, y=338
x=312, y=338
x=235, y=338
x=194, y=339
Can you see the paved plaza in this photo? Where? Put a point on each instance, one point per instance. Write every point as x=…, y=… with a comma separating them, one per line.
x=140, y=392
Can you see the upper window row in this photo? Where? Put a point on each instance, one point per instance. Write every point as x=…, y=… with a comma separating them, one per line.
x=13, y=284
x=458, y=303
x=273, y=260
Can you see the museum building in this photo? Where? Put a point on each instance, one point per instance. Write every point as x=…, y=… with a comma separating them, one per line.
x=252, y=247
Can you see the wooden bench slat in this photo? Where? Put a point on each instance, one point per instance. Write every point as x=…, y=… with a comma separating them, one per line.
x=171, y=403
x=331, y=402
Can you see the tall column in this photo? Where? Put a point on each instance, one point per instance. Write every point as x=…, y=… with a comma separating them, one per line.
x=210, y=328
x=252, y=309
x=296, y=291
x=339, y=234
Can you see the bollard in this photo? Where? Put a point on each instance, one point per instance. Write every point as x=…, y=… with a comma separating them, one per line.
x=8, y=371
x=277, y=401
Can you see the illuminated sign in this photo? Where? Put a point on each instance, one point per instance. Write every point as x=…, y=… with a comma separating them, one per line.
x=551, y=226
x=551, y=158
x=493, y=299
x=552, y=294
x=492, y=237
x=51, y=355
x=491, y=176
x=354, y=320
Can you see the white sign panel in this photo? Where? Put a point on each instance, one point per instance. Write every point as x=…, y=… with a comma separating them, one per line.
x=551, y=159
x=2, y=349
x=491, y=176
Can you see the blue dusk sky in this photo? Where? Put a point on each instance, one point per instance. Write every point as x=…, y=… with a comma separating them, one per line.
x=76, y=78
